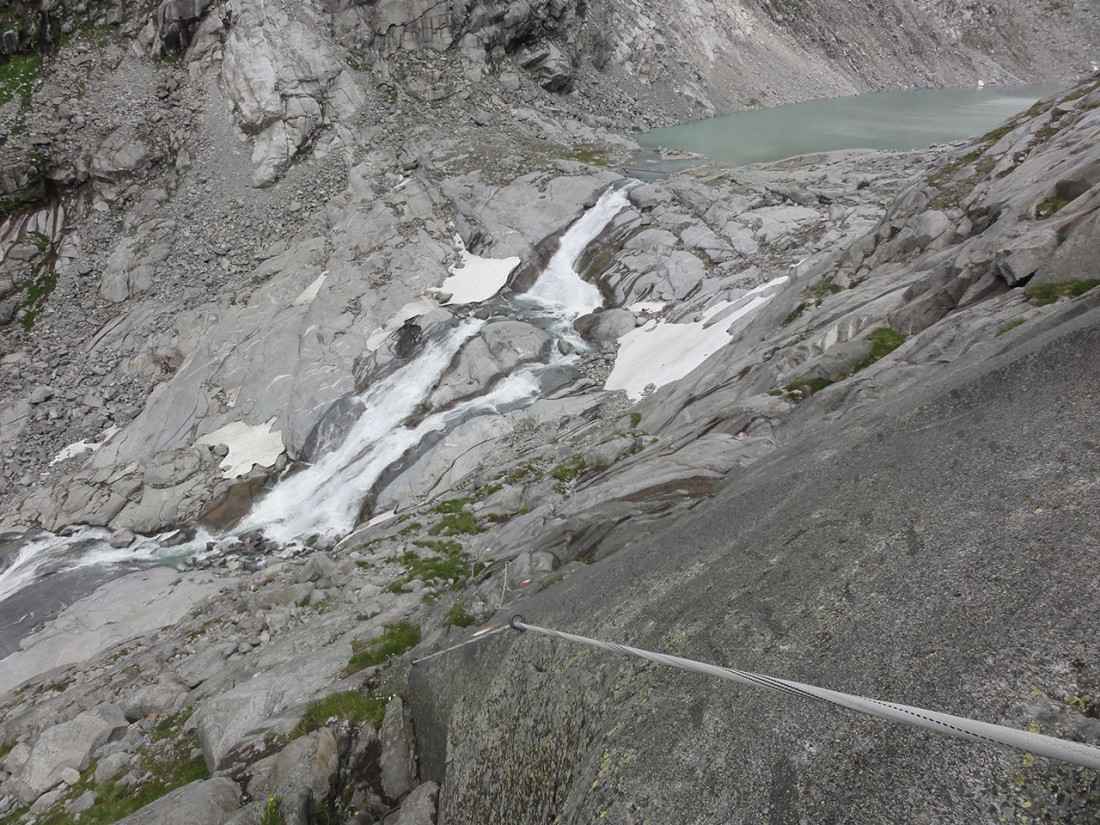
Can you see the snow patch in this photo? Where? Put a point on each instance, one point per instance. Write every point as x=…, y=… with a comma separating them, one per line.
x=476, y=279
x=659, y=352
x=421, y=306
x=82, y=447
x=310, y=292
x=248, y=445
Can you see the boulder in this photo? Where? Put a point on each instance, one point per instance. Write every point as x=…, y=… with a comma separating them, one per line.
x=605, y=326
x=420, y=806
x=398, y=760
x=553, y=70
x=302, y=772
x=1020, y=258
x=337, y=422
x=225, y=720
x=122, y=538
x=206, y=802
x=1076, y=255
x=177, y=21
x=70, y=745
x=121, y=154
x=40, y=395
x=319, y=568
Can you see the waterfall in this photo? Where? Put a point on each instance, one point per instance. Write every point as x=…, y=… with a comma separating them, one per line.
x=559, y=288
x=325, y=498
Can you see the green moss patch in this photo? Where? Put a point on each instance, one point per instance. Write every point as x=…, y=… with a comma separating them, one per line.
x=822, y=289
x=17, y=76
x=453, y=505
x=1043, y=294
x=1011, y=325
x=459, y=616
x=1049, y=207
x=883, y=341
x=456, y=524
x=569, y=469
x=815, y=384
x=398, y=638
x=794, y=314
x=449, y=564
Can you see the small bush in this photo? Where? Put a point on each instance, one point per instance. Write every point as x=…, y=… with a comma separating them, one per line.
x=1043, y=294
x=529, y=470
x=815, y=384
x=822, y=290
x=350, y=705
x=398, y=638
x=271, y=812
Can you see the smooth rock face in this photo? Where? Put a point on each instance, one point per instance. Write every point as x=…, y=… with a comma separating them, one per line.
x=128, y=607
x=897, y=505
x=398, y=760
x=207, y=802
x=284, y=81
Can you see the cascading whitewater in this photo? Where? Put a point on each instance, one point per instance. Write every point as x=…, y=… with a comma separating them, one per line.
x=325, y=498
x=559, y=287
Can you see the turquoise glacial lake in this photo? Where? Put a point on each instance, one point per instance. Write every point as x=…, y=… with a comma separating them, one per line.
x=901, y=121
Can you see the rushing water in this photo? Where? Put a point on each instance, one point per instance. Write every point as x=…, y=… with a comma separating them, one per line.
x=325, y=497
x=912, y=119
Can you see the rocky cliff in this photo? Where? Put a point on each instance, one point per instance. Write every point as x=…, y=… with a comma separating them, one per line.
x=231, y=228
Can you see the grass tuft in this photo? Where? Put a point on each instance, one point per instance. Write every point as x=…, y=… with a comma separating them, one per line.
x=350, y=705
x=883, y=341
x=456, y=524
x=459, y=616
x=1043, y=294
x=398, y=638
x=1049, y=207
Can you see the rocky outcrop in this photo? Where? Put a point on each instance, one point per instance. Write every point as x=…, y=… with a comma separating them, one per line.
x=284, y=82
x=201, y=803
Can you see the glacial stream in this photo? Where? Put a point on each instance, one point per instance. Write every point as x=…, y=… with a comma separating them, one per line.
x=325, y=498
x=41, y=575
